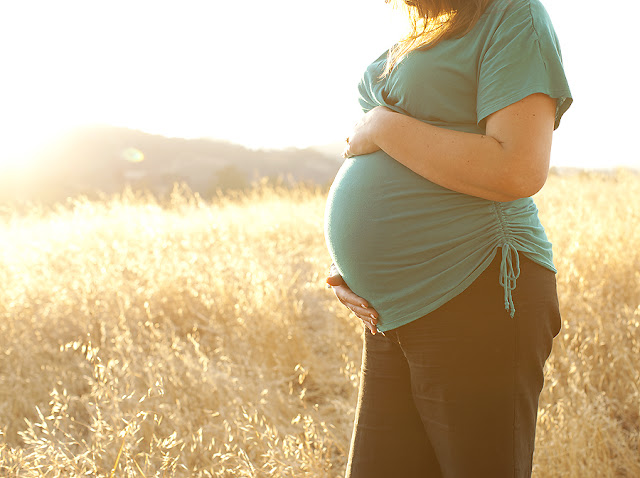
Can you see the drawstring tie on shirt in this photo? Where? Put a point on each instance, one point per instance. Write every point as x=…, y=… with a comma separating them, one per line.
x=509, y=274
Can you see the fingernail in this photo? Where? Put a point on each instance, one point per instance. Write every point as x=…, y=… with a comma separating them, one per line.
x=373, y=317
x=363, y=306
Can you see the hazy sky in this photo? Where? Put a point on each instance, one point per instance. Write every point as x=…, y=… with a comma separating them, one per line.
x=268, y=74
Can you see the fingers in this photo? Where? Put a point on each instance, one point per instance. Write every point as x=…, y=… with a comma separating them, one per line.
x=371, y=323
x=355, y=303
x=365, y=313
x=358, y=306
x=372, y=328
x=368, y=315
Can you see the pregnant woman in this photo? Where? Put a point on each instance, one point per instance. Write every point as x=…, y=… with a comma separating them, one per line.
x=431, y=226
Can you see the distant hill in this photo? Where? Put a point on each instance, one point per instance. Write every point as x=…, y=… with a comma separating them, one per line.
x=106, y=159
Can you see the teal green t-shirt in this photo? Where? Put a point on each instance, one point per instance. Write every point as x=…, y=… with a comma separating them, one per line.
x=406, y=244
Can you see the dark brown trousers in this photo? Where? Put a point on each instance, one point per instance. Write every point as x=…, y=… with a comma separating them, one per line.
x=454, y=394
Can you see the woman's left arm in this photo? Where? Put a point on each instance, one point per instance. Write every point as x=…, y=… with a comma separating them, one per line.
x=510, y=161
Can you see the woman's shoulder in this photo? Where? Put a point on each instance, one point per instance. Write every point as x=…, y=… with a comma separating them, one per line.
x=520, y=14
x=531, y=8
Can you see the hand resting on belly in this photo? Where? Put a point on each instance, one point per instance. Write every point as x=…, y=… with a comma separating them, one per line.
x=353, y=302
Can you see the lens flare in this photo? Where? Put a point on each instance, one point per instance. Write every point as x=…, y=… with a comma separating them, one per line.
x=133, y=155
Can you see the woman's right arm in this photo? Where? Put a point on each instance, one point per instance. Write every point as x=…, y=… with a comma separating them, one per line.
x=356, y=304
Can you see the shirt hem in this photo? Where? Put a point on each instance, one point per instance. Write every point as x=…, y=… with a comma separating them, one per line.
x=442, y=300
x=421, y=312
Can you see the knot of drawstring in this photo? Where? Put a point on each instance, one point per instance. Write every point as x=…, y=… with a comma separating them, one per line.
x=509, y=274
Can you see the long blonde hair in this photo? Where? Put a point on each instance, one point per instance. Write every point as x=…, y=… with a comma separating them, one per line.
x=433, y=21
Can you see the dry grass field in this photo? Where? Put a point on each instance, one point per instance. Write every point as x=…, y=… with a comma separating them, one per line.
x=197, y=338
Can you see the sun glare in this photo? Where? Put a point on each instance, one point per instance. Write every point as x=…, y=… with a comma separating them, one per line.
x=18, y=146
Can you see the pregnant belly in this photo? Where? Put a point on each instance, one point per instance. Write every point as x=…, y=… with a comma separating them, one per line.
x=383, y=221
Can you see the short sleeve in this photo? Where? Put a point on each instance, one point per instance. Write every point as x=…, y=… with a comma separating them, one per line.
x=522, y=57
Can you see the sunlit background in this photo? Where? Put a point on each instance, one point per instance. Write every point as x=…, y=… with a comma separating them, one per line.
x=262, y=74
x=188, y=337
